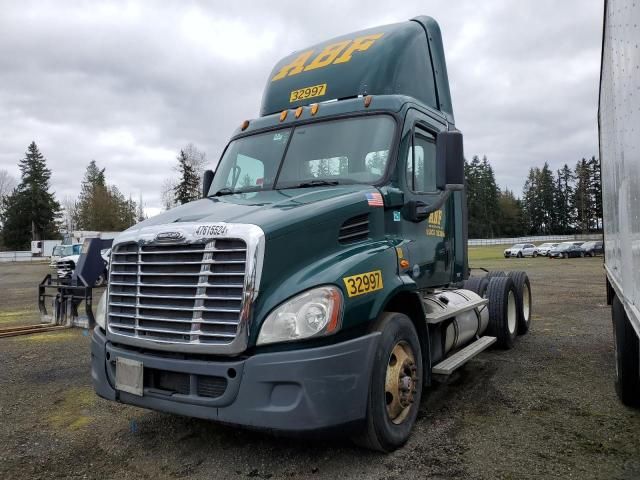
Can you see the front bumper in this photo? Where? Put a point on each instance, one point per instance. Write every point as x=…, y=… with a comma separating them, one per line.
x=293, y=391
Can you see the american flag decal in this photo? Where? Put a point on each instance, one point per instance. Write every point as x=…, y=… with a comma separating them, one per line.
x=374, y=199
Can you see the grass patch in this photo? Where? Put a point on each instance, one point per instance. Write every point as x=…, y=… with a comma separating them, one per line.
x=14, y=316
x=489, y=252
x=49, y=337
x=71, y=412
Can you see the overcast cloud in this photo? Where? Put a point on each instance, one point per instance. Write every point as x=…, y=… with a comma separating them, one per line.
x=130, y=83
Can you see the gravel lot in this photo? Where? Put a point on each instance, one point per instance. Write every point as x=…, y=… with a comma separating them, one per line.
x=545, y=409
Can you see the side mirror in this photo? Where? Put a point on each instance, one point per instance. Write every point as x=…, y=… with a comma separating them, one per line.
x=449, y=161
x=207, y=179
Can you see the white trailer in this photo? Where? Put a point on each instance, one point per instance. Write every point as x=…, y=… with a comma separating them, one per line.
x=43, y=248
x=619, y=132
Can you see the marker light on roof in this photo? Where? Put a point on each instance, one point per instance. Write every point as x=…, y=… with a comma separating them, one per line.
x=298, y=112
x=367, y=101
x=314, y=108
x=283, y=115
x=245, y=124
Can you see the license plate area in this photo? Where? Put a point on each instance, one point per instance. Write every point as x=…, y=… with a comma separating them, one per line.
x=129, y=376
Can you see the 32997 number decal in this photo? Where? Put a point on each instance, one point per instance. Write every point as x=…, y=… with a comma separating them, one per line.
x=308, y=92
x=363, y=283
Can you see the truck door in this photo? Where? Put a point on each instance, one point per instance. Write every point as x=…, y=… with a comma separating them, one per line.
x=430, y=240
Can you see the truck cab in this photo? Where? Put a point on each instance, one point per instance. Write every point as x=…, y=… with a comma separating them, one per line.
x=317, y=283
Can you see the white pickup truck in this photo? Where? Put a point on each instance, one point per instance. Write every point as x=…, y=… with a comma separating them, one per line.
x=65, y=265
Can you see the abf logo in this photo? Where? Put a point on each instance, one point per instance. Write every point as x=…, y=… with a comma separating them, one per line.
x=334, y=53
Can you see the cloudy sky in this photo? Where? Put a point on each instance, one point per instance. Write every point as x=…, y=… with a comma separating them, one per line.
x=130, y=83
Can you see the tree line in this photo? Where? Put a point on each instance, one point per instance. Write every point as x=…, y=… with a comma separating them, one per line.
x=567, y=201
x=29, y=210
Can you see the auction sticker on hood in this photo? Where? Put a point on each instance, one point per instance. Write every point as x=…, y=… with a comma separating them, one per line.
x=363, y=283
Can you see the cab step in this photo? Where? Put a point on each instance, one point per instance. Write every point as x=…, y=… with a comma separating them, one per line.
x=449, y=364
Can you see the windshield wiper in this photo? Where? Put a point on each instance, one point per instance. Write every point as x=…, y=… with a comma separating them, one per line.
x=223, y=191
x=316, y=183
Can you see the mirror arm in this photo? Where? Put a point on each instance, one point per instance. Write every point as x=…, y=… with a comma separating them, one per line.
x=450, y=187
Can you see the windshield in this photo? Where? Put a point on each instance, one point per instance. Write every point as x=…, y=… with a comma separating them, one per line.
x=546, y=245
x=57, y=250
x=66, y=250
x=518, y=245
x=353, y=150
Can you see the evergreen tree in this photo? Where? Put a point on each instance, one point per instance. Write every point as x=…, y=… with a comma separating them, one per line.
x=30, y=211
x=562, y=200
x=531, y=202
x=188, y=188
x=101, y=207
x=595, y=191
x=546, y=190
x=581, y=199
x=482, y=198
x=510, y=218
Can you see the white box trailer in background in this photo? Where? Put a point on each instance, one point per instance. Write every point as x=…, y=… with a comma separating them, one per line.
x=43, y=248
x=619, y=132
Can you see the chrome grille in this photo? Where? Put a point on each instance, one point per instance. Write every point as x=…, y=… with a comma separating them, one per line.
x=182, y=293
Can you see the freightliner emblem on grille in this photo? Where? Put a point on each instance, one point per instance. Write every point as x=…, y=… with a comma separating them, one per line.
x=169, y=237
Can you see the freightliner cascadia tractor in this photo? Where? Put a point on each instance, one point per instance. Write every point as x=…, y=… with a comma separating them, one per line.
x=321, y=282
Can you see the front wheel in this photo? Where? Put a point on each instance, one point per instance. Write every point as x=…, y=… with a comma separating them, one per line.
x=535, y=254
x=519, y=255
x=565, y=255
x=396, y=385
x=581, y=254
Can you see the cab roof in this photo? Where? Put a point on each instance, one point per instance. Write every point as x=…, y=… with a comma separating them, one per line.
x=400, y=59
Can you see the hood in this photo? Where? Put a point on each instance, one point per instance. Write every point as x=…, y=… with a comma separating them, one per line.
x=275, y=211
x=72, y=258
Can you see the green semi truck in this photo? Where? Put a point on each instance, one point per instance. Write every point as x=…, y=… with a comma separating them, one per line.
x=322, y=280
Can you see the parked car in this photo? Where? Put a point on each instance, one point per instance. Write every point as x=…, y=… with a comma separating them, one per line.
x=521, y=250
x=591, y=249
x=566, y=250
x=545, y=247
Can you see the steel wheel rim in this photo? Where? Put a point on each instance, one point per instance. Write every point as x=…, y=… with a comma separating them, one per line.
x=511, y=313
x=401, y=382
x=526, y=302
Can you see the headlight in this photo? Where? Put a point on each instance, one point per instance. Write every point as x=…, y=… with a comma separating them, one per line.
x=313, y=313
x=101, y=311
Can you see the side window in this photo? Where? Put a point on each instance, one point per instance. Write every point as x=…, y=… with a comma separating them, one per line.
x=421, y=163
x=247, y=172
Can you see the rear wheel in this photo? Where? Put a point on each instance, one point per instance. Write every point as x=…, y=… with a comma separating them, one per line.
x=503, y=311
x=496, y=273
x=523, y=290
x=396, y=385
x=565, y=255
x=627, y=352
x=476, y=285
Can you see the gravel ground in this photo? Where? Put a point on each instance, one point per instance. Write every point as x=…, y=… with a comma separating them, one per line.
x=545, y=409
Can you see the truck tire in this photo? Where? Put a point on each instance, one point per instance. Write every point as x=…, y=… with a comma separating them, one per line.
x=627, y=352
x=503, y=308
x=523, y=298
x=395, y=386
x=476, y=285
x=496, y=273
